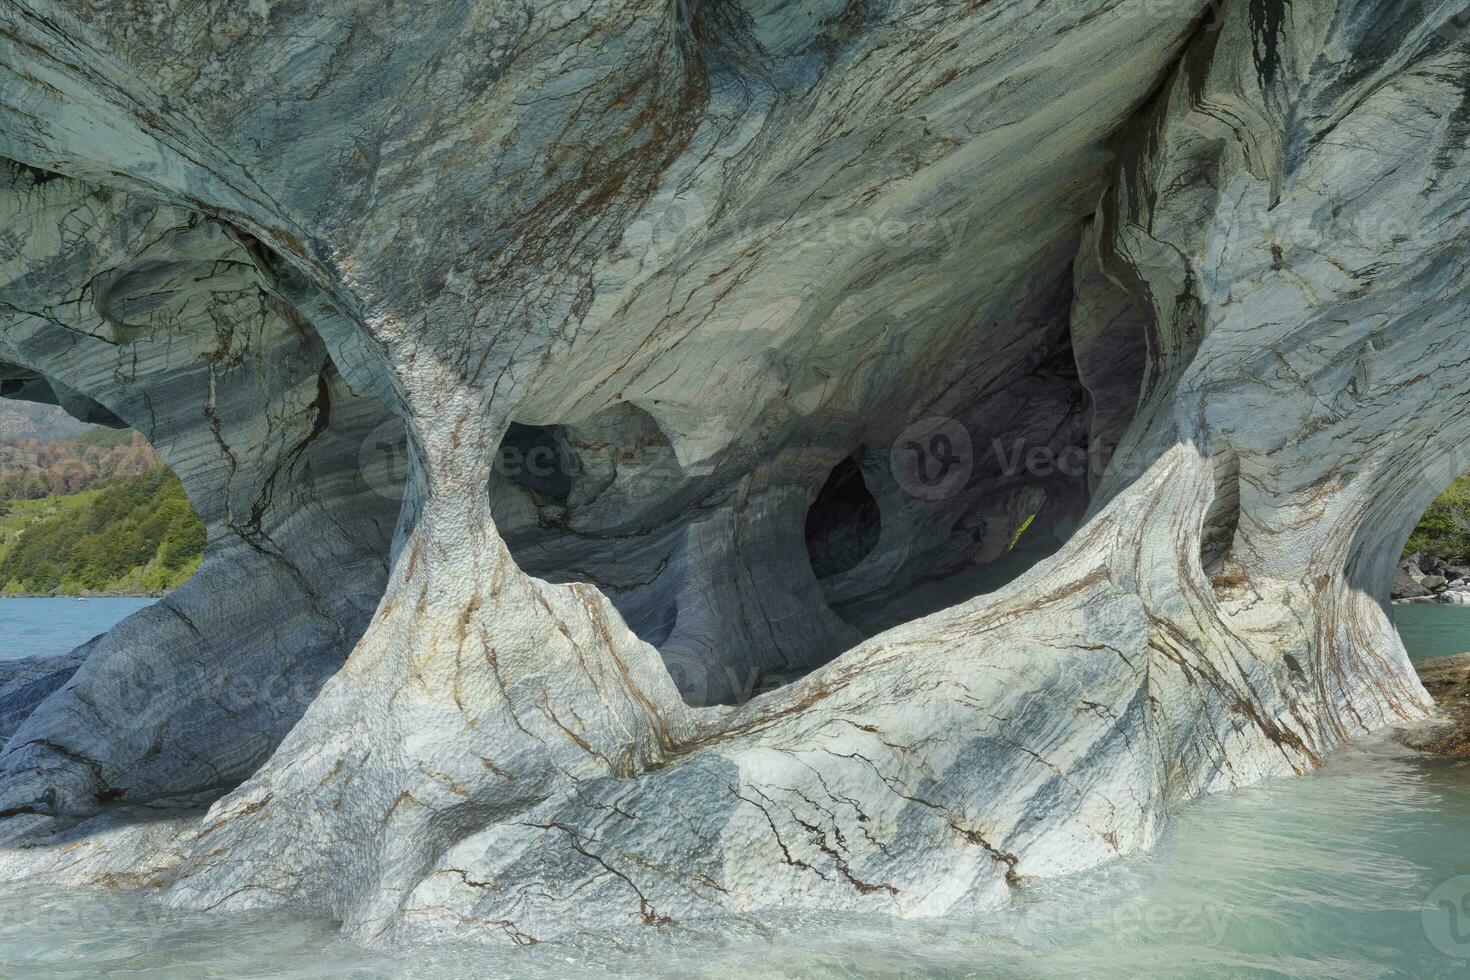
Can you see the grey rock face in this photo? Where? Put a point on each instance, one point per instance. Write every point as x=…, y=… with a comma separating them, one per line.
x=704, y=458
x=26, y=683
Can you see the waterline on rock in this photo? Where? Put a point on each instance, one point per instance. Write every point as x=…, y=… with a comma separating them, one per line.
x=1342, y=871
x=1334, y=873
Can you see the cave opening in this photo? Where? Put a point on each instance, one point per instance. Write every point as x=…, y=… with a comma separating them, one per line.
x=750, y=574
x=88, y=509
x=243, y=559
x=844, y=524
x=597, y=502
x=94, y=526
x=762, y=565
x=539, y=460
x=1423, y=579
x=1430, y=591
x=972, y=499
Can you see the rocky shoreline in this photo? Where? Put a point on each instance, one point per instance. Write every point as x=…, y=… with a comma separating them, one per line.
x=1447, y=679
x=88, y=594
x=1430, y=578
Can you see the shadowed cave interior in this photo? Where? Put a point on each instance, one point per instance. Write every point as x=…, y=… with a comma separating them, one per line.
x=725, y=568
x=862, y=540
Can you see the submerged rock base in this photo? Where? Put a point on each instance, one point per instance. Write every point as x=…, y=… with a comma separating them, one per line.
x=1447, y=679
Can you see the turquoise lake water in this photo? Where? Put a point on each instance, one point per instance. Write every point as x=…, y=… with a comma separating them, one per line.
x=48, y=627
x=1361, y=869
x=1433, y=629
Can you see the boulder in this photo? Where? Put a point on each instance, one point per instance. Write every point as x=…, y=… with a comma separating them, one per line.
x=1405, y=586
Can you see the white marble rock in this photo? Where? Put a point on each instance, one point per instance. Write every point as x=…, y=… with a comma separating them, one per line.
x=701, y=257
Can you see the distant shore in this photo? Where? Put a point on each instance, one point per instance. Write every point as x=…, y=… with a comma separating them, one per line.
x=84, y=595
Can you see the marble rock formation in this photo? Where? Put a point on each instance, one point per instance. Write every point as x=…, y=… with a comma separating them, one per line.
x=677, y=458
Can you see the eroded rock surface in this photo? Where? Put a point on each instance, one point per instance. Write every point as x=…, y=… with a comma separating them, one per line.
x=1447, y=679
x=27, y=682
x=167, y=320
x=711, y=457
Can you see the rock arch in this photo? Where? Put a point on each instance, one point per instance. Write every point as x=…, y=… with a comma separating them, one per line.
x=188, y=697
x=507, y=756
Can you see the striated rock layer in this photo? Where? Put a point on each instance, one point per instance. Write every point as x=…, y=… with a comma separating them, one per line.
x=671, y=459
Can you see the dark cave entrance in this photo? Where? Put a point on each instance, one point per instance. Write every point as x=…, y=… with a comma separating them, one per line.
x=1019, y=467
x=593, y=502
x=539, y=460
x=844, y=523
x=709, y=562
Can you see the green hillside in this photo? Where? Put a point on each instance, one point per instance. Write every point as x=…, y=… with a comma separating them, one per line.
x=1444, y=529
x=124, y=533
